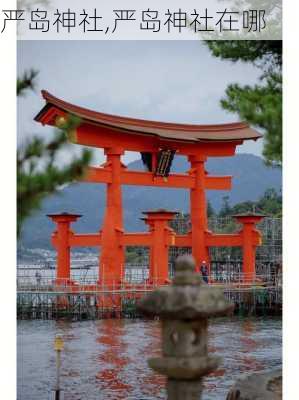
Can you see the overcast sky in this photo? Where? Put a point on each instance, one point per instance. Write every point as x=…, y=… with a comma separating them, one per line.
x=167, y=81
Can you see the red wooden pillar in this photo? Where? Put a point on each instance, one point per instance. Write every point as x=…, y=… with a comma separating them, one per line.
x=251, y=239
x=60, y=240
x=162, y=237
x=198, y=212
x=112, y=258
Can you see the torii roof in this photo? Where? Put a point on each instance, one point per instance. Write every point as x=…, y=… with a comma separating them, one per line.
x=165, y=130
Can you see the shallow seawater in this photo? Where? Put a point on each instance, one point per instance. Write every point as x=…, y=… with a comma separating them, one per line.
x=106, y=359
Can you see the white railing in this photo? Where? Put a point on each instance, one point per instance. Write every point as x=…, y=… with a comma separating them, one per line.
x=49, y=283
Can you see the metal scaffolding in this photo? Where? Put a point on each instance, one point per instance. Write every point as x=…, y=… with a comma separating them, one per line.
x=269, y=251
x=226, y=262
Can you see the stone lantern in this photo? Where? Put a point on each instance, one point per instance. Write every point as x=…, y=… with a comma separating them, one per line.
x=184, y=309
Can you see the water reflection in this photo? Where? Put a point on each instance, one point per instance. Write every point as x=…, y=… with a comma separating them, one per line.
x=112, y=361
x=153, y=384
x=108, y=359
x=249, y=346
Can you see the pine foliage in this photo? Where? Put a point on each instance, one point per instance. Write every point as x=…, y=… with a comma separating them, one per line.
x=261, y=104
x=38, y=172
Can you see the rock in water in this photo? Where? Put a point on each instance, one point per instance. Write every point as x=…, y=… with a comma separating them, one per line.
x=261, y=386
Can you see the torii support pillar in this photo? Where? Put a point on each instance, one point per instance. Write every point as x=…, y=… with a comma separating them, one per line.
x=198, y=212
x=60, y=240
x=112, y=260
x=251, y=238
x=162, y=237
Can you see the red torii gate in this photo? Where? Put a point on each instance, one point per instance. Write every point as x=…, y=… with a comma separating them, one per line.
x=157, y=142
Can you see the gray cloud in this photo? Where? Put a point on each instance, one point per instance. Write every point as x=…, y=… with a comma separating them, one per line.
x=168, y=81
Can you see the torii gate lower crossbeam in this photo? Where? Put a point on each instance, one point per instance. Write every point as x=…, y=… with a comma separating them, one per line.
x=159, y=238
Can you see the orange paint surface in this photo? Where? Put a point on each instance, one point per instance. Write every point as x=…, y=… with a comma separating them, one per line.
x=118, y=134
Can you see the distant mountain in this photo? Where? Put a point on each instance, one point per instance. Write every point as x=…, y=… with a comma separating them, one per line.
x=251, y=177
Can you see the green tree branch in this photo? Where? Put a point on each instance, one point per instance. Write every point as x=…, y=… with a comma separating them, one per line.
x=38, y=170
x=261, y=104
